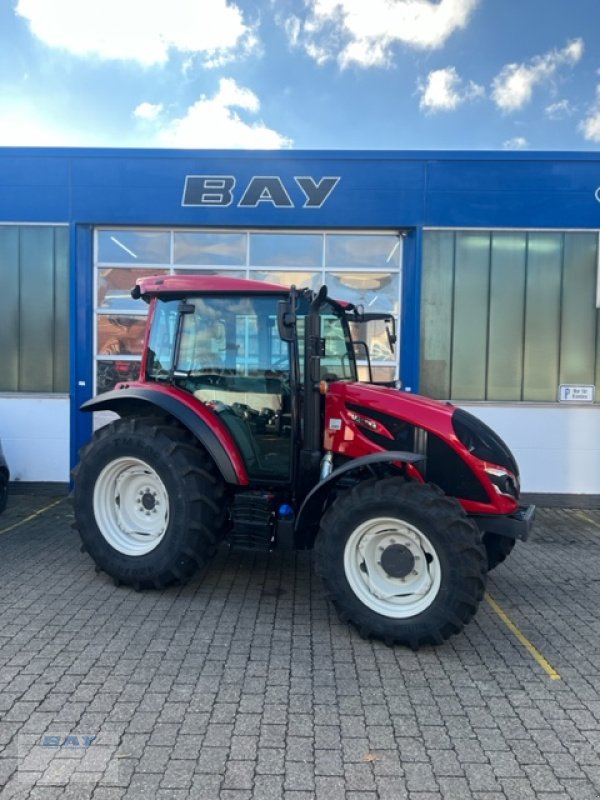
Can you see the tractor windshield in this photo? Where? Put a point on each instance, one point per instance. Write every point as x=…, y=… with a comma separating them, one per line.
x=337, y=357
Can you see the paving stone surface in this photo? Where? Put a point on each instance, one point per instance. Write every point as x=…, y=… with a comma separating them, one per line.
x=244, y=684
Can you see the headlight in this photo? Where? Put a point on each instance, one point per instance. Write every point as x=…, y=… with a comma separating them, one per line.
x=504, y=482
x=483, y=442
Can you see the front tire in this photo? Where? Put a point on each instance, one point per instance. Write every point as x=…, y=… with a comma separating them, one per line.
x=497, y=548
x=148, y=503
x=401, y=561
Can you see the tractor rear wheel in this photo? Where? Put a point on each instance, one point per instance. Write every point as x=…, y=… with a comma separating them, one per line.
x=148, y=503
x=401, y=561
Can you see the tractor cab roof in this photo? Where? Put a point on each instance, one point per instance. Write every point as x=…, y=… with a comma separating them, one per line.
x=183, y=285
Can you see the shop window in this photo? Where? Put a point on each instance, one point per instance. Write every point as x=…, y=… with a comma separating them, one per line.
x=508, y=316
x=34, y=308
x=363, y=268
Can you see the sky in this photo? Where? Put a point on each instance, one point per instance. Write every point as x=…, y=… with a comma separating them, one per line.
x=301, y=74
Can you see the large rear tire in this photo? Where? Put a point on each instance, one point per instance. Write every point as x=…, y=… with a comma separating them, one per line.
x=148, y=503
x=401, y=561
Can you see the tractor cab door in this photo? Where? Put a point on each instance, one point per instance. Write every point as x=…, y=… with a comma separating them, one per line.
x=231, y=357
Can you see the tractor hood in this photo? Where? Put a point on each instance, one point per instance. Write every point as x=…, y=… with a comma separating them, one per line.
x=425, y=412
x=360, y=416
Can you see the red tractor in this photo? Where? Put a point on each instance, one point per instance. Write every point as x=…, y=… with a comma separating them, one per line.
x=250, y=423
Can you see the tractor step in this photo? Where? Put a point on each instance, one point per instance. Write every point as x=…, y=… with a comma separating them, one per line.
x=253, y=518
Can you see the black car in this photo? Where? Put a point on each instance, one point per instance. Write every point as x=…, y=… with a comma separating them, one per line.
x=4, y=476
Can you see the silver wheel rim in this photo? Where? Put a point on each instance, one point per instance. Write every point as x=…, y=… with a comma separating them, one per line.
x=392, y=567
x=131, y=506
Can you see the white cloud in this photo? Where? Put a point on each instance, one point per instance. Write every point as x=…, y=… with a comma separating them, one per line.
x=516, y=143
x=559, y=110
x=148, y=111
x=27, y=124
x=214, y=122
x=590, y=125
x=363, y=33
x=138, y=30
x=444, y=90
x=513, y=87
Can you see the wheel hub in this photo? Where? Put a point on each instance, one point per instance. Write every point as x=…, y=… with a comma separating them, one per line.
x=397, y=561
x=148, y=500
x=392, y=567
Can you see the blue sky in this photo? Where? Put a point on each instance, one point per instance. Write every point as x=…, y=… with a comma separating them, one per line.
x=340, y=74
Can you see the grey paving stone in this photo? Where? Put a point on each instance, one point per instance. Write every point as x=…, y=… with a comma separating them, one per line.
x=245, y=684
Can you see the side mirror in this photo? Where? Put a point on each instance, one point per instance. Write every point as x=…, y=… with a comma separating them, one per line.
x=286, y=320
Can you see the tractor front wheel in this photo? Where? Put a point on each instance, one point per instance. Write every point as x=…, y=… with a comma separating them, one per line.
x=148, y=503
x=497, y=547
x=401, y=561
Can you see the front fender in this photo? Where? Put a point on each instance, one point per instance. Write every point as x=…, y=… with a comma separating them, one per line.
x=211, y=433
x=309, y=515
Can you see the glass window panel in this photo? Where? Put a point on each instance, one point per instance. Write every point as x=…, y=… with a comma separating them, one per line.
x=436, y=312
x=297, y=278
x=207, y=248
x=120, y=335
x=61, y=310
x=227, y=273
x=378, y=251
x=109, y=372
x=286, y=250
x=34, y=335
x=375, y=291
x=134, y=247
x=36, y=356
x=542, y=318
x=507, y=313
x=578, y=330
x=115, y=285
x=9, y=308
x=471, y=293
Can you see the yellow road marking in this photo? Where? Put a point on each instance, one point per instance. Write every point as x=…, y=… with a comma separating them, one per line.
x=584, y=516
x=531, y=648
x=30, y=517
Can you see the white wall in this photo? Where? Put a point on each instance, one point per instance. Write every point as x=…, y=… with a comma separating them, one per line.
x=35, y=437
x=557, y=447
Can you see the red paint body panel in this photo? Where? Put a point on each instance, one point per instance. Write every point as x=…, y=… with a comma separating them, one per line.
x=431, y=415
x=207, y=415
x=205, y=284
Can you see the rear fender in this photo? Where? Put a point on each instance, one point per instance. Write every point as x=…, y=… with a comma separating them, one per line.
x=311, y=510
x=191, y=413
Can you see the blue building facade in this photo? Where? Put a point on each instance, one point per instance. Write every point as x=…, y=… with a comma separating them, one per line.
x=489, y=260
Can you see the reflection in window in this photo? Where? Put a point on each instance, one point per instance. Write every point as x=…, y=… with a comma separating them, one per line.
x=286, y=249
x=111, y=372
x=115, y=285
x=134, y=247
x=120, y=335
x=207, y=248
x=376, y=251
x=375, y=291
x=297, y=278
